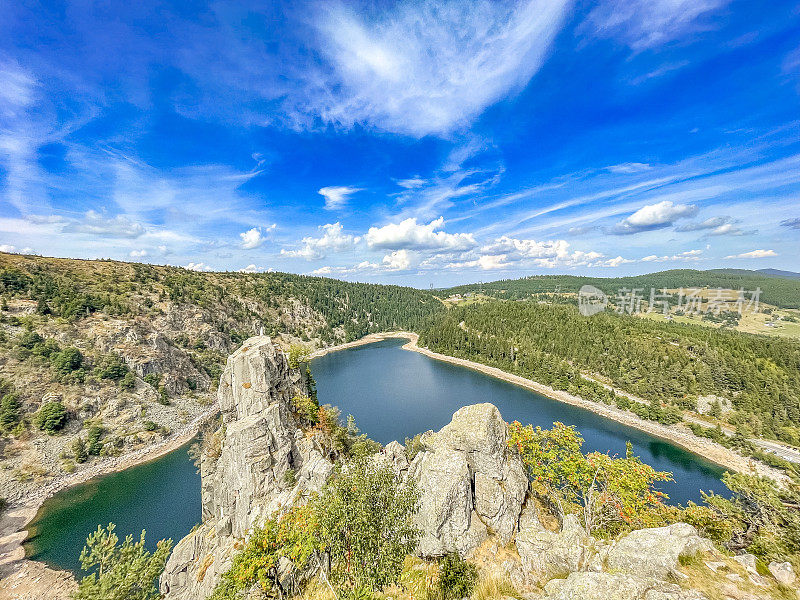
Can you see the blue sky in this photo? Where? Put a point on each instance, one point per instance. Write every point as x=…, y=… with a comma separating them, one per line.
x=414, y=143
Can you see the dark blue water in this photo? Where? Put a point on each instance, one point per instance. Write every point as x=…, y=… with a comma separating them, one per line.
x=394, y=394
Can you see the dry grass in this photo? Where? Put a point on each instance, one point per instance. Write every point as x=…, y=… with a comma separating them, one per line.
x=716, y=586
x=492, y=587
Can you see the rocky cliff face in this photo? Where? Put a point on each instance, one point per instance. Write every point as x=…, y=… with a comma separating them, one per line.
x=260, y=443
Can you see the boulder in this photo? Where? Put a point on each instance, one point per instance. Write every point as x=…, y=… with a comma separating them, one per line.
x=654, y=552
x=547, y=554
x=608, y=586
x=782, y=572
x=470, y=483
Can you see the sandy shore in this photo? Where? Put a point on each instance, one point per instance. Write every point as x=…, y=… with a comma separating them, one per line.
x=675, y=434
x=23, y=579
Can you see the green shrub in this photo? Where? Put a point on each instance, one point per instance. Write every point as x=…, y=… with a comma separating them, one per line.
x=365, y=516
x=457, y=577
x=66, y=361
x=9, y=412
x=153, y=379
x=111, y=366
x=128, y=382
x=93, y=445
x=51, y=417
x=150, y=426
x=79, y=450
x=119, y=571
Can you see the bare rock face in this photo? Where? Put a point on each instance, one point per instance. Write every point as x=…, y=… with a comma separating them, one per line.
x=547, y=554
x=608, y=586
x=654, y=552
x=470, y=483
x=782, y=572
x=247, y=482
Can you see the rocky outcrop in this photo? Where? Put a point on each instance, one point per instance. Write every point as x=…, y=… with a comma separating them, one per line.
x=471, y=484
x=610, y=586
x=546, y=554
x=655, y=552
x=247, y=482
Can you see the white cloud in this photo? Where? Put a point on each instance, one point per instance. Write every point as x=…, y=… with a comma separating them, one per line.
x=199, y=266
x=251, y=269
x=411, y=182
x=333, y=239
x=138, y=253
x=528, y=248
x=409, y=234
x=687, y=256
x=754, y=254
x=426, y=67
x=644, y=24
x=336, y=197
x=252, y=238
x=399, y=260
x=629, y=167
x=653, y=216
x=13, y=249
x=94, y=223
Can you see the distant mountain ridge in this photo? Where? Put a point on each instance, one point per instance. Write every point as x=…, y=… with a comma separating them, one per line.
x=778, y=290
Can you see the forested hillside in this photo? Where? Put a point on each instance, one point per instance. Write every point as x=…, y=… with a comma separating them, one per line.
x=778, y=291
x=667, y=363
x=102, y=357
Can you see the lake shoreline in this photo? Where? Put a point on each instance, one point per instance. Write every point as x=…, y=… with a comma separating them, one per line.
x=674, y=434
x=15, y=569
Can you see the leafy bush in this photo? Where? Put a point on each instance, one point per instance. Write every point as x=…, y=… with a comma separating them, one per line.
x=128, y=382
x=9, y=412
x=457, y=577
x=67, y=360
x=365, y=517
x=93, y=445
x=79, y=450
x=150, y=426
x=613, y=494
x=120, y=571
x=51, y=417
x=153, y=379
x=294, y=535
x=111, y=366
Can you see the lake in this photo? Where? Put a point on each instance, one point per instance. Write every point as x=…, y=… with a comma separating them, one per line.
x=393, y=394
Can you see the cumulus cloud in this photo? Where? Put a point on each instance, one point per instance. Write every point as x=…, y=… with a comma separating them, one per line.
x=408, y=234
x=644, y=24
x=336, y=197
x=197, y=266
x=398, y=260
x=13, y=249
x=254, y=269
x=138, y=253
x=99, y=224
x=333, y=239
x=754, y=254
x=653, y=216
x=389, y=72
x=252, y=238
x=688, y=255
x=791, y=223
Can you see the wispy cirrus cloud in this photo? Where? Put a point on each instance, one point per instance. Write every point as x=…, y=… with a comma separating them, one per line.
x=390, y=73
x=644, y=24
